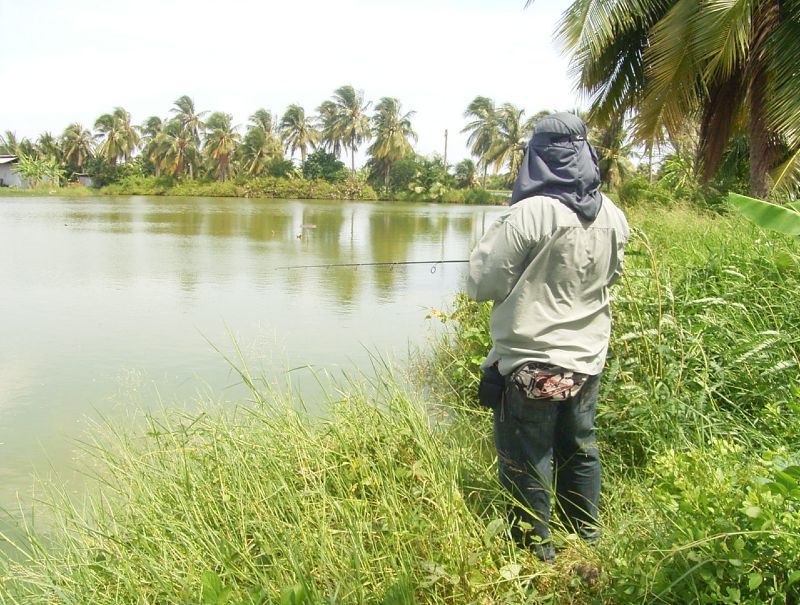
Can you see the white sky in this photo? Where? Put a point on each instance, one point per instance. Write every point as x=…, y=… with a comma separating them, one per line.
x=62, y=62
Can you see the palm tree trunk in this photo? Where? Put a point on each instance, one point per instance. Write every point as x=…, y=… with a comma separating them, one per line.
x=762, y=149
x=353, y=159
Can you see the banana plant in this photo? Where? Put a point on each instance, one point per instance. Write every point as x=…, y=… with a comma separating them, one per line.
x=783, y=219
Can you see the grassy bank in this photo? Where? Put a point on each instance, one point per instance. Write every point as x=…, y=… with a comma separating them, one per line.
x=264, y=187
x=48, y=190
x=393, y=499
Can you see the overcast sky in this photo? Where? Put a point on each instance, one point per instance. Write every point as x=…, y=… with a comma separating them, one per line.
x=66, y=61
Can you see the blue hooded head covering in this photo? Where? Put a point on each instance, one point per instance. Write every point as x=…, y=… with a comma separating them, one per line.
x=560, y=163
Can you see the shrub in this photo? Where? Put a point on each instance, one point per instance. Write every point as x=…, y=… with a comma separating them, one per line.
x=639, y=190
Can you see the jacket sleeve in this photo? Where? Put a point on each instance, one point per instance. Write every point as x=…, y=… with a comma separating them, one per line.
x=497, y=262
x=620, y=263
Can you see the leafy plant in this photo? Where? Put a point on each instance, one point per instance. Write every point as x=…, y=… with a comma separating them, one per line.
x=783, y=219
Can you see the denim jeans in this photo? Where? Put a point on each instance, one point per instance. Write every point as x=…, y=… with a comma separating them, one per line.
x=546, y=447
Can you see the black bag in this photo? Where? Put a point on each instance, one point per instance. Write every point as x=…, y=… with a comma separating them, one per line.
x=491, y=387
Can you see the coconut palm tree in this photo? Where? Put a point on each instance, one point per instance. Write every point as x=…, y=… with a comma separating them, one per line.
x=482, y=129
x=221, y=141
x=77, y=143
x=351, y=122
x=730, y=65
x=151, y=131
x=264, y=120
x=260, y=144
x=330, y=134
x=297, y=131
x=11, y=146
x=176, y=148
x=511, y=138
x=191, y=122
x=48, y=147
x=392, y=131
x=118, y=136
x=8, y=143
x=613, y=152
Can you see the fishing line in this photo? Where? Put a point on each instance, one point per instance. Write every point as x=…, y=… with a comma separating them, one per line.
x=433, y=264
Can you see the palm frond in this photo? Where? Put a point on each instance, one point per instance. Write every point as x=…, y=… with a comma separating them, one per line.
x=672, y=90
x=786, y=177
x=783, y=107
x=724, y=26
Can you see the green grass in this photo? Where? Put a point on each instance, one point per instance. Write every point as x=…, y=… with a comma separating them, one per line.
x=379, y=503
x=47, y=190
x=392, y=498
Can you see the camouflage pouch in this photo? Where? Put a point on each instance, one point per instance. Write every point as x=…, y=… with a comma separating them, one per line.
x=544, y=381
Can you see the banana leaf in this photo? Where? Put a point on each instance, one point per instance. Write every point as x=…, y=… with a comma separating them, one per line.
x=767, y=215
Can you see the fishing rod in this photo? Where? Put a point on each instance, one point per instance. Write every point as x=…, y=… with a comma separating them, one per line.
x=433, y=264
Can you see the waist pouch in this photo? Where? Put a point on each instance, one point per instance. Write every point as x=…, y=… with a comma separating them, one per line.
x=491, y=387
x=543, y=381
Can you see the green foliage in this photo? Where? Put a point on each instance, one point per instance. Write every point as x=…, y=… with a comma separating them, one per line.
x=783, y=219
x=35, y=171
x=400, y=178
x=638, y=190
x=724, y=529
x=267, y=505
x=141, y=185
x=430, y=178
x=474, y=196
x=280, y=168
x=323, y=165
x=103, y=172
x=465, y=174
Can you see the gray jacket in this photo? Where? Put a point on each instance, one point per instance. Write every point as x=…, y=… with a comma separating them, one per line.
x=548, y=271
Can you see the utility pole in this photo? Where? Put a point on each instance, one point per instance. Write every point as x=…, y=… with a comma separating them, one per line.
x=445, y=150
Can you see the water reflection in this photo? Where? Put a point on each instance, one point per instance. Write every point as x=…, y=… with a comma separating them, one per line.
x=285, y=233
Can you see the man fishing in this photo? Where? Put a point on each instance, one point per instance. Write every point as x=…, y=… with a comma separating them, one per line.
x=547, y=264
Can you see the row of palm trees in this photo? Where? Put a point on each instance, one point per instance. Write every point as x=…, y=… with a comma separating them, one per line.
x=189, y=140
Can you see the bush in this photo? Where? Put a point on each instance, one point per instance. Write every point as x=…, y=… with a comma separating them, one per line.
x=722, y=527
x=141, y=185
x=639, y=190
x=323, y=165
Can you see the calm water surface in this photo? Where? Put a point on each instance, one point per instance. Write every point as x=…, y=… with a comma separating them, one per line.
x=108, y=305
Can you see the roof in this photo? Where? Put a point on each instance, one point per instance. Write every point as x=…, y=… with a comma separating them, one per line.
x=8, y=159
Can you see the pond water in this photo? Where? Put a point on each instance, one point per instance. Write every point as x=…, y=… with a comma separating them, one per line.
x=112, y=305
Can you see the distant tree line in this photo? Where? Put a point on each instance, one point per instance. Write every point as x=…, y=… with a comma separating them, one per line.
x=191, y=144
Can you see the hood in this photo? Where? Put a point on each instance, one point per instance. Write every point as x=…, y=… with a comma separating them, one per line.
x=560, y=163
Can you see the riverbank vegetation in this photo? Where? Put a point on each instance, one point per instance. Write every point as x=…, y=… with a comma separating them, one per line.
x=392, y=498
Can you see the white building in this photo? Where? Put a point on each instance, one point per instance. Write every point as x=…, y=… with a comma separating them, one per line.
x=9, y=178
